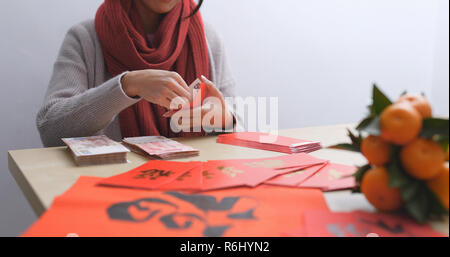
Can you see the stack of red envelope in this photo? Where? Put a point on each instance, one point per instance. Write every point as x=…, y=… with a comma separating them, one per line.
x=269, y=142
x=295, y=170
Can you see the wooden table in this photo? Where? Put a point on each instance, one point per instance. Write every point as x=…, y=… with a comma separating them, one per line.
x=43, y=174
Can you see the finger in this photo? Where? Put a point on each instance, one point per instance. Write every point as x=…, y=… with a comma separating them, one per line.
x=174, y=86
x=180, y=80
x=168, y=114
x=165, y=103
x=211, y=89
x=205, y=80
x=176, y=100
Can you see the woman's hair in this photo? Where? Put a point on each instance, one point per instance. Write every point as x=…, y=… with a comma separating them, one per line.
x=200, y=2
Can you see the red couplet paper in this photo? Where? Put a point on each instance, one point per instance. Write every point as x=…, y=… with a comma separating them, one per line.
x=88, y=210
x=332, y=177
x=295, y=178
x=363, y=224
x=151, y=175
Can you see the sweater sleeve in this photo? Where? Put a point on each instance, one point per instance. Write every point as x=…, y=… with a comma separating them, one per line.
x=222, y=76
x=71, y=108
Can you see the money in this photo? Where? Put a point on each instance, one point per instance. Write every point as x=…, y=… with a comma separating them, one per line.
x=96, y=150
x=159, y=147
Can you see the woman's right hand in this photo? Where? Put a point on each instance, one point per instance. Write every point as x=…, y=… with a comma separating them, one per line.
x=157, y=86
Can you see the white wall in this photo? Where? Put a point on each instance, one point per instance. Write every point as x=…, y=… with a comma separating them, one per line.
x=440, y=86
x=319, y=56
x=31, y=33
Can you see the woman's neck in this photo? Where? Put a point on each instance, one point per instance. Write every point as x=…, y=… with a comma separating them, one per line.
x=150, y=20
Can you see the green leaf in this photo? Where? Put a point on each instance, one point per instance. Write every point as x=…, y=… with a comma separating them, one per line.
x=411, y=190
x=373, y=128
x=359, y=174
x=436, y=207
x=418, y=207
x=355, y=146
x=397, y=177
x=380, y=101
x=435, y=126
x=365, y=123
x=348, y=147
x=356, y=139
x=437, y=130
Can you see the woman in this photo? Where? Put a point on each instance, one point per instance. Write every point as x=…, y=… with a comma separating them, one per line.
x=118, y=74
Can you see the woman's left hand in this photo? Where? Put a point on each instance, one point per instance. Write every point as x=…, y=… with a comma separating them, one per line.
x=214, y=112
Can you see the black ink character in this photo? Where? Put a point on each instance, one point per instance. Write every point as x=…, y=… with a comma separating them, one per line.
x=153, y=174
x=169, y=213
x=396, y=229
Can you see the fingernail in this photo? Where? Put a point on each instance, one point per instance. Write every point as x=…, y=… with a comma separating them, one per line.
x=204, y=78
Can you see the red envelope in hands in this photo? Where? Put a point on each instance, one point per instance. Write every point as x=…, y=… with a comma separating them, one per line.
x=198, y=91
x=295, y=178
x=363, y=224
x=332, y=177
x=151, y=175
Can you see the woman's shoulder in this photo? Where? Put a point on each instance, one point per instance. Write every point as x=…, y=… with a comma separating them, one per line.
x=213, y=38
x=81, y=39
x=83, y=30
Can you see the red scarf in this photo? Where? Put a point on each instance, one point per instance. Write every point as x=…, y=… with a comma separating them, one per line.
x=180, y=45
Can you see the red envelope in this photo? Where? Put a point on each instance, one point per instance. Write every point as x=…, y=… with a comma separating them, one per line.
x=332, y=177
x=269, y=142
x=252, y=172
x=191, y=180
x=88, y=210
x=198, y=90
x=151, y=175
x=363, y=224
x=295, y=178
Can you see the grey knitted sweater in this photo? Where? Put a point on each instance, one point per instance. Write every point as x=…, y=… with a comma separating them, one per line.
x=83, y=100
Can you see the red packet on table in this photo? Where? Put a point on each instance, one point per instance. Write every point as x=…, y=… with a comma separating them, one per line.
x=332, y=177
x=295, y=178
x=151, y=175
x=252, y=172
x=87, y=210
x=191, y=180
x=298, y=160
x=269, y=142
x=363, y=224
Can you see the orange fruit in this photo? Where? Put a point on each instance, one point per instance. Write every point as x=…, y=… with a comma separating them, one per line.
x=422, y=158
x=376, y=150
x=439, y=185
x=419, y=102
x=400, y=123
x=375, y=187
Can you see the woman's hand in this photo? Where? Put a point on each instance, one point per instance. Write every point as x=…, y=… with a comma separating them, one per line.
x=157, y=86
x=214, y=112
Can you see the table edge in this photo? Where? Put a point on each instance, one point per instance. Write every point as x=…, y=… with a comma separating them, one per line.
x=36, y=204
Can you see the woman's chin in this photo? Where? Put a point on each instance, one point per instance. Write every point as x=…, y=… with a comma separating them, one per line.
x=160, y=6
